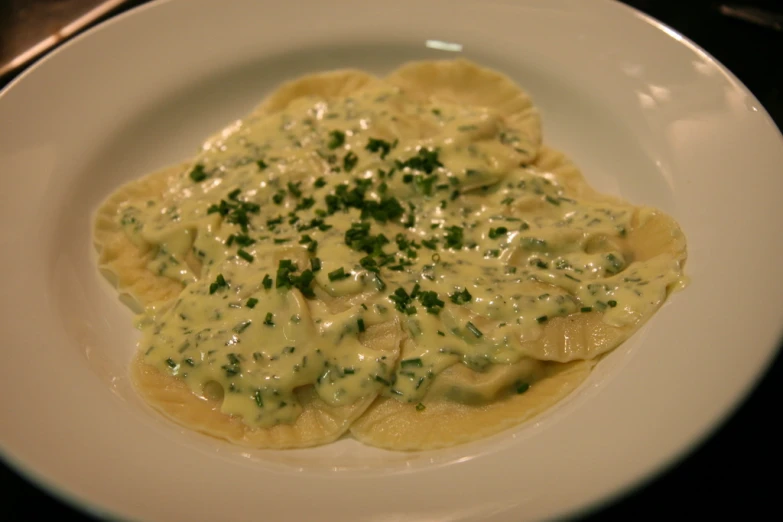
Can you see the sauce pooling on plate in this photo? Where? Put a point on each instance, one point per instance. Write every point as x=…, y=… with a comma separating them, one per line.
x=364, y=244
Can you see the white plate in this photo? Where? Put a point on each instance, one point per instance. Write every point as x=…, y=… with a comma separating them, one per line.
x=646, y=114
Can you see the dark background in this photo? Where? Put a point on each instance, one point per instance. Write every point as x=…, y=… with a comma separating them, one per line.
x=735, y=470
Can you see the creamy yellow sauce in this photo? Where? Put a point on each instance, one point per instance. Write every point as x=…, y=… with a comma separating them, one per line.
x=294, y=234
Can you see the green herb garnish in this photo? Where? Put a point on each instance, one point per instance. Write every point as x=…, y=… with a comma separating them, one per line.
x=461, y=297
x=198, y=174
x=495, y=233
x=315, y=264
x=339, y=274
x=377, y=145
x=245, y=255
x=349, y=161
x=294, y=189
x=425, y=160
x=475, y=331
x=454, y=237
x=411, y=363
x=336, y=139
x=431, y=302
x=402, y=301
x=241, y=327
x=219, y=283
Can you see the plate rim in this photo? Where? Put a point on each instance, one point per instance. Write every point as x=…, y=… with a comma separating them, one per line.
x=80, y=503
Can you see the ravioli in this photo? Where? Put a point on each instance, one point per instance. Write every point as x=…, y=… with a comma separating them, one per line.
x=400, y=259
x=447, y=421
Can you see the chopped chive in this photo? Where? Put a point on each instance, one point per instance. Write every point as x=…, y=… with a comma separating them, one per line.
x=259, y=400
x=522, y=387
x=252, y=302
x=267, y=282
x=495, y=233
x=245, y=255
x=475, y=331
x=420, y=407
x=241, y=327
x=586, y=309
x=315, y=264
x=171, y=363
x=220, y=282
x=336, y=139
x=381, y=380
x=360, y=324
x=268, y=319
x=612, y=303
x=432, y=303
x=337, y=275
x=454, y=237
x=377, y=145
x=294, y=189
x=231, y=369
x=461, y=297
x=425, y=160
x=411, y=363
x=198, y=174
x=542, y=319
x=349, y=161
x=243, y=240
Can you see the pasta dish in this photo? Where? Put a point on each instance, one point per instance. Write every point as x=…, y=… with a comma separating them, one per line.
x=401, y=260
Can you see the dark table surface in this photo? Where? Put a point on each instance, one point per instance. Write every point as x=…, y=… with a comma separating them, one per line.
x=735, y=470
